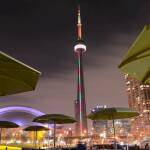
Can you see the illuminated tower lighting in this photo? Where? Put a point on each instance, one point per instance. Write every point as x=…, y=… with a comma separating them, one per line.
x=80, y=104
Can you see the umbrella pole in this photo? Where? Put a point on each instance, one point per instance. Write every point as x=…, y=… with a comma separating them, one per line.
x=49, y=136
x=54, y=133
x=114, y=134
x=0, y=135
x=35, y=139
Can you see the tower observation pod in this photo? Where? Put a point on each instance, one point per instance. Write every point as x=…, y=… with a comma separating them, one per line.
x=80, y=103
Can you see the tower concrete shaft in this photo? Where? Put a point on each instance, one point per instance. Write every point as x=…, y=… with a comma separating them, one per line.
x=80, y=103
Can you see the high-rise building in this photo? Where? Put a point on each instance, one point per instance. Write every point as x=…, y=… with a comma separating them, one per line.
x=139, y=99
x=80, y=104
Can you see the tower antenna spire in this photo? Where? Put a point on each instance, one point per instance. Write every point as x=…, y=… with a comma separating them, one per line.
x=79, y=25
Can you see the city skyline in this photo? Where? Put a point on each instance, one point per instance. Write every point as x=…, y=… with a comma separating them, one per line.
x=40, y=34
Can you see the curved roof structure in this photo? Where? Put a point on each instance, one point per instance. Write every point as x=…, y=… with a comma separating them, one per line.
x=30, y=110
x=19, y=114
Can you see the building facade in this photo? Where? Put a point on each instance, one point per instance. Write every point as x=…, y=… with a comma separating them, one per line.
x=139, y=99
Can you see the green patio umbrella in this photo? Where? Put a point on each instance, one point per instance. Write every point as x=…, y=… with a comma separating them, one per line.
x=15, y=76
x=35, y=128
x=112, y=114
x=6, y=124
x=54, y=119
x=136, y=63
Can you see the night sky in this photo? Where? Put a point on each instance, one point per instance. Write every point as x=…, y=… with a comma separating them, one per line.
x=42, y=34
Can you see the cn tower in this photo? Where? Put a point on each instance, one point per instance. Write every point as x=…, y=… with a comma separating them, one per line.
x=80, y=104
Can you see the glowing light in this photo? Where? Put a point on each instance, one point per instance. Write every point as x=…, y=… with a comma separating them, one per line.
x=45, y=141
x=80, y=46
x=50, y=132
x=9, y=142
x=10, y=147
x=21, y=109
x=62, y=142
x=105, y=106
x=85, y=131
x=28, y=142
x=18, y=141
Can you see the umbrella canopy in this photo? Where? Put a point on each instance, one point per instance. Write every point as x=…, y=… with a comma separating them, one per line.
x=137, y=60
x=113, y=113
x=15, y=76
x=57, y=118
x=8, y=124
x=35, y=128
